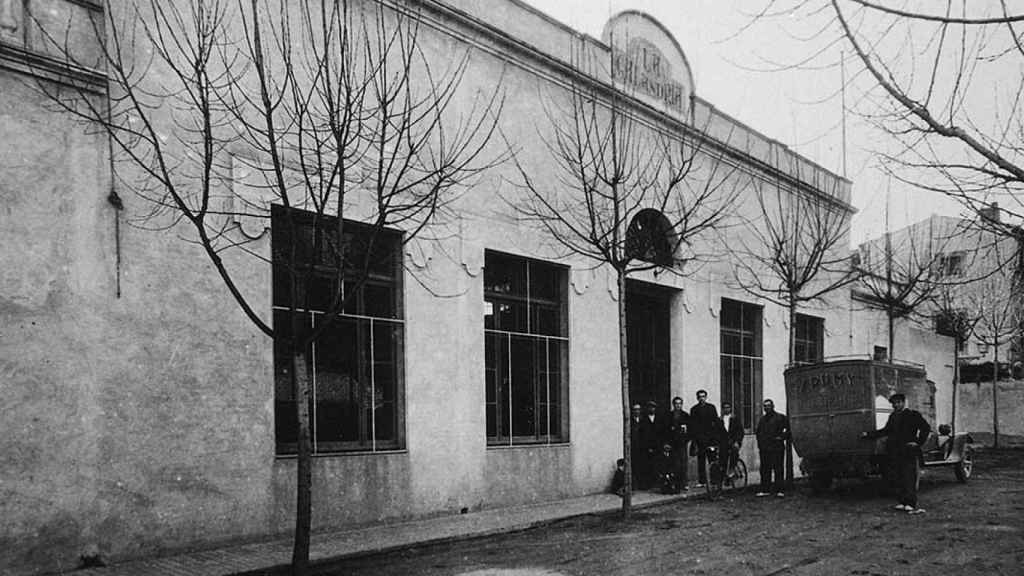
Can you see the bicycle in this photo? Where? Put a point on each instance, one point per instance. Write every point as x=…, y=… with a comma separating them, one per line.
x=719, y=476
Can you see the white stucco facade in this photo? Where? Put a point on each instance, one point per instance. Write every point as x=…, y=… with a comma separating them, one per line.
x=140, y=400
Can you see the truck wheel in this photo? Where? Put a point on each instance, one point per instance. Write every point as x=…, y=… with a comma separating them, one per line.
x=965, y=465
x=821, y=481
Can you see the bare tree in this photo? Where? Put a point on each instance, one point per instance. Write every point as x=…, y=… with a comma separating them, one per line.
x=797, y=250
x=954, y=318
x=954, y=113
x=902, y=278
x=626, y=194
x=338, y=114
x=996, y=302
x=940, y=82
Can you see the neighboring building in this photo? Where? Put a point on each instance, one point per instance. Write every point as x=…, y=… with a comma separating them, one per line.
x=144, y=413
x=964, y=266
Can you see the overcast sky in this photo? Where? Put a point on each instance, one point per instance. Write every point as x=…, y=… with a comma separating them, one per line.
x=736, y=70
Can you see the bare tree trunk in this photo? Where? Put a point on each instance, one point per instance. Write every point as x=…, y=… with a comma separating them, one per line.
x=304, y=465
x=627, y=436
x=956, y=380
x=792, y=358
x=995, y=394
x=792, y=330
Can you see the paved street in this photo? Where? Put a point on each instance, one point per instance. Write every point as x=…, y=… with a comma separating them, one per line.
x=976, y=528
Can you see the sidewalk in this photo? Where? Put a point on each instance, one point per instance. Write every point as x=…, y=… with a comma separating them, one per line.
x=378, y=538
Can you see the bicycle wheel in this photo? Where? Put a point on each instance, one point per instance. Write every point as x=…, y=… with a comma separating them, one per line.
x=716, y=480
x=740, y=479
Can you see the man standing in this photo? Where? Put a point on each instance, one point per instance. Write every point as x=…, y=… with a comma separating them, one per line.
x=650, y=439
x=906, y=430
x=732, y=437
x=702, y=429
x=772, y=431
x=679, y=435
x=636, y=449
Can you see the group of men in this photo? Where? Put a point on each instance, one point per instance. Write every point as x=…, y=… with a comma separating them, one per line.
x=662, y=443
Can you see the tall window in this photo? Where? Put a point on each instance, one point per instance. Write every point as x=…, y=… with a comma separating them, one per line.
x=809, y=340
x=355, y=361
x=526, y=349
x=741, y=361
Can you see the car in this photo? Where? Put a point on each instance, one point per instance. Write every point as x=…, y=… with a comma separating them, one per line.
x=945, y=449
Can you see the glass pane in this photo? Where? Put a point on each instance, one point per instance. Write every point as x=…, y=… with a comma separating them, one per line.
x=510, y=316
x=340, y=381
x=504, y=274
x=560, y=393
x=281, y=278
x=755, y=332
x=492, y=420
x=504, y=422
x=543, y=380
x=726, y=380
x=286, y=425
x=370, y=251
x=490, y=366
x=321, y=291
x=730, y=315
x=523, y=394
x=379, y=300
x=731, y=343
x=547, y=320
x=545, y=282
x=385, y=425
x=387, y=348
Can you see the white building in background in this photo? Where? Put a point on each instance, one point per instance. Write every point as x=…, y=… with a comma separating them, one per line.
x=141, y=413
x=972, y=267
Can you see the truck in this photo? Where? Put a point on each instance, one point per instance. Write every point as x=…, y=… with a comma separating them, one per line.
x=830, y=404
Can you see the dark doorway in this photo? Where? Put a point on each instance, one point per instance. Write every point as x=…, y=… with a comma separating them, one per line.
x=648, y=333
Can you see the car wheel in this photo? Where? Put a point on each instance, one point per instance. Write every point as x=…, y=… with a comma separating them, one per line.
x=965, y=466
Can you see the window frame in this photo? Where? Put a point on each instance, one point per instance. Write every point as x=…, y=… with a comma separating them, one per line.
x=366, y=322
x=815, y=329
x=750, y=329
x=500, y=429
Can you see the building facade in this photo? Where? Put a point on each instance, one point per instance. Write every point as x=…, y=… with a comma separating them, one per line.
x=962, y=269
x=146, y=413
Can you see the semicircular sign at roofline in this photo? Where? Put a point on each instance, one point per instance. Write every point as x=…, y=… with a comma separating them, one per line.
x=648, y=62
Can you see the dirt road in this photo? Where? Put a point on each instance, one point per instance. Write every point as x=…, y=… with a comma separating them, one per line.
x=972, y=529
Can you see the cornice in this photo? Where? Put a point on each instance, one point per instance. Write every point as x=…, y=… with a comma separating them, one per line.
x=48, y=68
x=502, y=45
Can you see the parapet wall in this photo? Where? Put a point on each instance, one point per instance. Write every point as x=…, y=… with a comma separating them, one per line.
x=539, y=38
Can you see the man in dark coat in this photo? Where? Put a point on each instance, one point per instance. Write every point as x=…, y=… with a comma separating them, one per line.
x=636, y=450
x=651, y=434
x=906, y=430
x=772, y=431
x=702, y=431
x=731, y=438
x=668, y=471
x=679, y=437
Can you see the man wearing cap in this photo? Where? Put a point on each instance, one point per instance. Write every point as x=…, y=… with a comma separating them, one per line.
x=906, y=430
x=772, y=431
x=651, y=434
x=636, y=449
